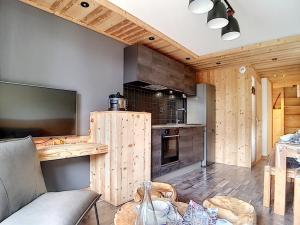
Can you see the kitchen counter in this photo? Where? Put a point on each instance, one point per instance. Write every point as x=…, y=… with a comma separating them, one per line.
x=180, y=125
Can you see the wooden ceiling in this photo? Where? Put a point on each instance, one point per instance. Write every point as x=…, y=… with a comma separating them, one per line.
x=278, y=59
x=282, y=76
x=106, y=18
x=275, y=53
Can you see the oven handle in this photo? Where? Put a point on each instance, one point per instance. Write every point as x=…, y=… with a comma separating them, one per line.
x=170, y=136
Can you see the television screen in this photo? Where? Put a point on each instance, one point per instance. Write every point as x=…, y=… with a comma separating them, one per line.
x=36, y=111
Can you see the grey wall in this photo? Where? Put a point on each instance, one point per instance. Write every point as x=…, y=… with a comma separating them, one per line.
x=42, y=49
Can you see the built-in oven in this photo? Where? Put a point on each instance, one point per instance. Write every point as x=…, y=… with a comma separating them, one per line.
x=169, y=146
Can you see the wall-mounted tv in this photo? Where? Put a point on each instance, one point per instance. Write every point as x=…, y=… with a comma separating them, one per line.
x=36, y=111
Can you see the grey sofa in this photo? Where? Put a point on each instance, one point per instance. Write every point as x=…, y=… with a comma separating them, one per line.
x=24, y=199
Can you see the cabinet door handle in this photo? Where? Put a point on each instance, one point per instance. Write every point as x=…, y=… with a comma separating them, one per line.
x=170, y=136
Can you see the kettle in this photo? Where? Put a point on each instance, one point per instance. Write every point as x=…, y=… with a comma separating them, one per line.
x=117, y=102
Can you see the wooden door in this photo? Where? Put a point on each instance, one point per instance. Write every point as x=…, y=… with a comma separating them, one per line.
x=258, y=121
x=210, y=123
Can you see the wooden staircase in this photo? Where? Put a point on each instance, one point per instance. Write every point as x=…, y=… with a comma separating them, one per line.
x=291, y=110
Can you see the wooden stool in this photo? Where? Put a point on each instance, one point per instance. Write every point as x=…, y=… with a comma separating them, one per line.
x=232, y=209
x=158, y=190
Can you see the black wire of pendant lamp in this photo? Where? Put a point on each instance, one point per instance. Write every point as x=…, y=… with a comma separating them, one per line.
x=200, y=6
x=232, y=30
x=217, y=17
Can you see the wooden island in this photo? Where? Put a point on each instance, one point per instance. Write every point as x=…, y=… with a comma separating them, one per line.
x=117, y=174
x=119, y=147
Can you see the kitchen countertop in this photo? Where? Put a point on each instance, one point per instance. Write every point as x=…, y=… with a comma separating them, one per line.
x=180, y=125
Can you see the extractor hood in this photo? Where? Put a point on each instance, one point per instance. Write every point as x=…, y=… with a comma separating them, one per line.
x=149, y=69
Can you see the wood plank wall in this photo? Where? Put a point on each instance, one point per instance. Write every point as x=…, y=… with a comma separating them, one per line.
x=127, y=164
x=291, y=110
x=233, y=113
x=278, y=113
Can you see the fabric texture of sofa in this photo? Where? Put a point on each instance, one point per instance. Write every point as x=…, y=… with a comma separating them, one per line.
x=24, y=199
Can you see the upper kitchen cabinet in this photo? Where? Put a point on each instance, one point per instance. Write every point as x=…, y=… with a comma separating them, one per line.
x=189, y=81
x=146, y=65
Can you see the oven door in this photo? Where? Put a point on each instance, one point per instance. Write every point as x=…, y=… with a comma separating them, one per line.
x=170, y=146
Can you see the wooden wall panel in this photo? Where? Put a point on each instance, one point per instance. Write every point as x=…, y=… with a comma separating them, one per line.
x=278, y=113
x=127, y=164
x=233, y=113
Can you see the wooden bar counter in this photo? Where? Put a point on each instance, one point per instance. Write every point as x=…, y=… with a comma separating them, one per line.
x=117, y=174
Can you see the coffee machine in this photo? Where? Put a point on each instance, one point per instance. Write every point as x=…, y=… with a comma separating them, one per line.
x=117, y=102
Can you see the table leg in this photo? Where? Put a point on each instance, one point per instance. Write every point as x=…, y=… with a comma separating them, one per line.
x=280, y=182
x=297, y=200
x=267, y=187
x=280, y=191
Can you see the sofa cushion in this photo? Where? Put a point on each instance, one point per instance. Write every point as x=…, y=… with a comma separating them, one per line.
x=54, y=208
x=21, y=179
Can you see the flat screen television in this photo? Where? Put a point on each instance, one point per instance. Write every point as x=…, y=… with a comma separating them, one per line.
x=36, y=111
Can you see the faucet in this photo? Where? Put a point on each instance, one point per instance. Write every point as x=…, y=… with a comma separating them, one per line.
x=177, y=110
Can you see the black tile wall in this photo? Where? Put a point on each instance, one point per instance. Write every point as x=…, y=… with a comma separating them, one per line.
x=161, y=104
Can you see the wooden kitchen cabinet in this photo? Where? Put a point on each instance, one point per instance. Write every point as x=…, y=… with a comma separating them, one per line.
x=189, y=81
x=146, y=65
x=191, y=145
x=191, y=149
x=198, y=144
x=155, y=152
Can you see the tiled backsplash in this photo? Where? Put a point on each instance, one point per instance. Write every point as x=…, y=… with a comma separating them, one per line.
x=161, y=104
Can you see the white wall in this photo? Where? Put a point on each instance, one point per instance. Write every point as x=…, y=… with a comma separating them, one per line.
x=42, y=49
x=266, y=116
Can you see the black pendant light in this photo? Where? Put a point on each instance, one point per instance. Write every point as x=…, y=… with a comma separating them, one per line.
x=200, y=6
x=232, y=30
x=217, y=17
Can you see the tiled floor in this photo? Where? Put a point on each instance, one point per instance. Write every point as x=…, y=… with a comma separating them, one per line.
x=218, y=179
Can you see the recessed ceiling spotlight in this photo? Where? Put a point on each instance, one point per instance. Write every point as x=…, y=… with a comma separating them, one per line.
x=151, y=38
x=187, y=58
x=85, y=4
x=274, y=59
